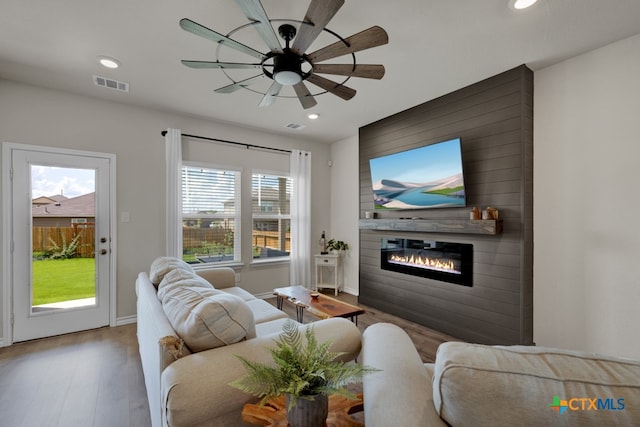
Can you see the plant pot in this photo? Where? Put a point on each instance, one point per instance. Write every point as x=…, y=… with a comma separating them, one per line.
x=308, y=413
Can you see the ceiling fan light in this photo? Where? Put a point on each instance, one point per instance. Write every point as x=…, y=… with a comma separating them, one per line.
x=287, y=78
x=522, y=4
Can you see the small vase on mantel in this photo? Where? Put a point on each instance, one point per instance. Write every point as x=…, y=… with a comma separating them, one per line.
x=308, y=413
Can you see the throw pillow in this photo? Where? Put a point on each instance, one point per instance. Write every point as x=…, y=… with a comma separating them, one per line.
x=179, y=277
x=163, y=265
x=207, y=318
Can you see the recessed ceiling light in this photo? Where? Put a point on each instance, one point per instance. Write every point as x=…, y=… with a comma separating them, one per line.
x=521, y=4
x=108, y=62
x=313, y=116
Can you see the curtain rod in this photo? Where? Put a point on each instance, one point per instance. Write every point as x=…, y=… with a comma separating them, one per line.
x=242, y=144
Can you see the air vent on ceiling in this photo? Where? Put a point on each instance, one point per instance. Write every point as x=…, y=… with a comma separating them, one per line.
x=111, y=84
x=295, y=126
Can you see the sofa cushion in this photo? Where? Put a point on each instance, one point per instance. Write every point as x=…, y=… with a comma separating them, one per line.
x=239, y=292
x=265, y=312
x=400, y=393
x=179, y=277
x=496, y=385
x=207, y=318
x=271, y=327
x=219, y=277
x=163, y=265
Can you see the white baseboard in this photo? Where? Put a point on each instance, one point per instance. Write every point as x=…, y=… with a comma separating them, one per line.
x=351, y=291
x=126, y=320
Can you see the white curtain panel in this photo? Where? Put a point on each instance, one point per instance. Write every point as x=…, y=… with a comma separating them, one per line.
x=173, y=154
x=301, y=218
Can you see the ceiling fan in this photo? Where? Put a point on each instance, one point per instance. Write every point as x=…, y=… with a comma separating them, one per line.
x=290, y=65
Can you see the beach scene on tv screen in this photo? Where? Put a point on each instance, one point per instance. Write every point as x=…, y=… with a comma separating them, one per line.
x=421, y=178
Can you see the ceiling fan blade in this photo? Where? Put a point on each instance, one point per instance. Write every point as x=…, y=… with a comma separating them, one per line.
x=210, y=64
x=337, y=89
x=319, y=14
x=371, y=37
x=271, y=95
x=364, y=71
x=255, y=12
x=239, y=85
x=202, y=31
x=306, y=99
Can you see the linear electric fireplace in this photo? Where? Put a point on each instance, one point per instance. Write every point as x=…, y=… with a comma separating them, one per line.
x=445, y=261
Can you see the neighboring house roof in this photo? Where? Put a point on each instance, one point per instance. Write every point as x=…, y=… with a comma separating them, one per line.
x=76, y=207
x=43, y=200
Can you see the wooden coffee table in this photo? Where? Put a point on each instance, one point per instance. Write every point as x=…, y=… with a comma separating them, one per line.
x=323, y=307
x=274, y=412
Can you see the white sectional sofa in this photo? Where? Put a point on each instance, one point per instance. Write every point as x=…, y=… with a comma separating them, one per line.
x=481, y=385
x=189, y=341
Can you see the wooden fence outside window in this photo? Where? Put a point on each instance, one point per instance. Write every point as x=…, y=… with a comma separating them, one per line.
x=193, y=238
x=42, y=239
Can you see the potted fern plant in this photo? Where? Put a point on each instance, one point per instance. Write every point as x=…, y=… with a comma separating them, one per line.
x=305, y=371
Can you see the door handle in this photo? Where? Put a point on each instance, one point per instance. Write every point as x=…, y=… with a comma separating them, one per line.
x=103, y=251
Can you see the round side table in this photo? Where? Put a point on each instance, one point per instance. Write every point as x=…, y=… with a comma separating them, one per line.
x=274, y=412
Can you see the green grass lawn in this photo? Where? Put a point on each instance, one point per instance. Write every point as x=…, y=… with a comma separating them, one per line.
x=56, y=280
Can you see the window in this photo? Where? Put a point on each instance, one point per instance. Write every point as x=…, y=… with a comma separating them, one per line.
x=270, y=198
x=210, y=214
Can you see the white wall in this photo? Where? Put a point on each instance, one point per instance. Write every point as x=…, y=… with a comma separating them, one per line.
x=586, y=203
x=37, y=116
x=345, y=203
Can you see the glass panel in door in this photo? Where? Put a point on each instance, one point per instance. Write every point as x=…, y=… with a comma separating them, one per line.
x=63, y=238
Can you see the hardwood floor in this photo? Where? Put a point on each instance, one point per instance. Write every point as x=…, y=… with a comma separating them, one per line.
x=94, y=378
x=91, y=378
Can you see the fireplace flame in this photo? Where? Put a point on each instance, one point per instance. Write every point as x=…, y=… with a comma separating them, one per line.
x=446, y=265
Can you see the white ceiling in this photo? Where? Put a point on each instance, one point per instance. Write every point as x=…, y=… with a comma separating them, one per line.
x=435, y=47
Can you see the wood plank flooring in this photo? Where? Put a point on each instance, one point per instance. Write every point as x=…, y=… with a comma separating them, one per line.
x=91, y=378
x=94, y=378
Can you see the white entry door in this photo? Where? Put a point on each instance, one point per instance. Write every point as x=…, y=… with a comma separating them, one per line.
x=61, y=255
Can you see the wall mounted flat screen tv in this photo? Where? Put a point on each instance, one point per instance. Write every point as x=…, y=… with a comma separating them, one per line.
x=422, y=178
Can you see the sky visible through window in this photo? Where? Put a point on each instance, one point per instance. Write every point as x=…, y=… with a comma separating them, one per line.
x=49, y=181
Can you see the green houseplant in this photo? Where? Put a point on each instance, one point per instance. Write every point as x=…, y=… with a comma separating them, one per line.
x=304, y=370
x=337, y=245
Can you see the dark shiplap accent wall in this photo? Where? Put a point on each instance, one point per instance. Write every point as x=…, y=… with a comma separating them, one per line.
x=494, y=119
